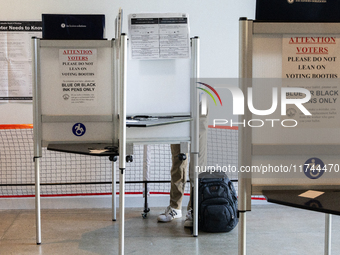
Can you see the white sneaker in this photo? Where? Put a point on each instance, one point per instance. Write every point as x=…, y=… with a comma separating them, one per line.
x=188, y=220
x=169, y=214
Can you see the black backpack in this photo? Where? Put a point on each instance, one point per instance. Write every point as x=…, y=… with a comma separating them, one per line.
x=217, y=203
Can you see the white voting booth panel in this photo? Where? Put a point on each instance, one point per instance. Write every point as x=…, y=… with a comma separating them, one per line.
x=173, y=133
x=160, y=68
x=59, y=114
x=267, y=63
x=51, y=87
x=62, y=132
x=160, y=88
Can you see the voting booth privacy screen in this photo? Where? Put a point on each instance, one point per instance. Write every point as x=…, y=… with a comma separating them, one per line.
x=297, y=10
x=306, y=153
x=79, y=91
x=310, y=164
x=160, y=68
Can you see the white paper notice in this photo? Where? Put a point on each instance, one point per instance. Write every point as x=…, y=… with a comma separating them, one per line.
x=311, y=62
x=159, y=36
x=78, y=71
x=16, y=60
x=311, y=194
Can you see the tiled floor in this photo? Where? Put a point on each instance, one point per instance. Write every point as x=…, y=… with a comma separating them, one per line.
x=271, y=229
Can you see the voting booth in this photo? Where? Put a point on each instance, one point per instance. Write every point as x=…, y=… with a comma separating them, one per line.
x=77, y=103
x=90, y=99
x=162, y=94
x=160, y=64
x=293, y=151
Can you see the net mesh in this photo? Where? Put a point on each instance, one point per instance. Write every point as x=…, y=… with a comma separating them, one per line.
x=93, y=175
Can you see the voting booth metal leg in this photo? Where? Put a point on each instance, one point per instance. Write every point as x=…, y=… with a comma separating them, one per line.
x=242, y=233
x=121, y=208
x=115, y=78
x=37, y=200
x=244, y=133
x=328, y=233
x=36, y=131
x=195, y=126
x=114, y=192
x=195, y=198
x=122, y=138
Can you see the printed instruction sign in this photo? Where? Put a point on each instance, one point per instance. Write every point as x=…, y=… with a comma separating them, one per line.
x=16, y=59
x=78, y=71
x=312, y=62
x=159, y=36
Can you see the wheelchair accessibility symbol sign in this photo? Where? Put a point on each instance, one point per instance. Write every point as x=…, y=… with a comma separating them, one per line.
x=78, y=129
x=314, y=168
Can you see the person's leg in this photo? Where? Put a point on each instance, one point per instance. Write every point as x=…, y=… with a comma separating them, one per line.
x=178, y=180
x=178, y=177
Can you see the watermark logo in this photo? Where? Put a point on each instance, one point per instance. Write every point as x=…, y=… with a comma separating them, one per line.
x=209, y=93
x=284, y=103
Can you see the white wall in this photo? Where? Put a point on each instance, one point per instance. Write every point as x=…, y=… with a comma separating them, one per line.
x=214, y=21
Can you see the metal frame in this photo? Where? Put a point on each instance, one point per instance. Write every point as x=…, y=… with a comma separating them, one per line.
x=245, y=134
x=36, y=132
x=246, y=148
x=194, y=131
x=122, y=138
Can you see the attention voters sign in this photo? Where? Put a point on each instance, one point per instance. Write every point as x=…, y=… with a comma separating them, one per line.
x=78, y=71
x=311, y=62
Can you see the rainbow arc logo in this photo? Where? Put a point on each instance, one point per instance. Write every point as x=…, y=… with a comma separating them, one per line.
x=209, y=93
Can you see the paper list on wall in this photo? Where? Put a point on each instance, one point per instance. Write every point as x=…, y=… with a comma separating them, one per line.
x=155, y=37
x=16, y=60
x=311, y=62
